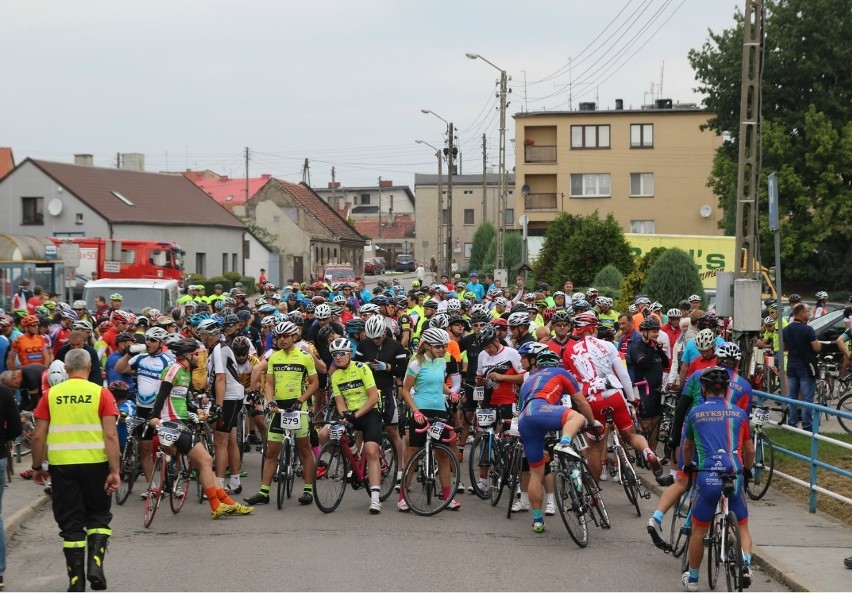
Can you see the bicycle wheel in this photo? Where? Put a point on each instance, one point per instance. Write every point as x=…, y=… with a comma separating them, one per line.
x=714, y=550
x=570, y=506
x=24, y=443
x=763, y=468
x=329, y=489
x=478, y=458
x=389, y=463
x=241, y=432
x=155, y=491
x=179, y=489
x=822, y=395
x=679, y=531
x=291, y=470
x=283, y=470
x=629, y=480
x=513, y=477
x=129, y=470
x=684, y=557
x=733, y=555
x=594, y=500
x=845, y=405
x=497, y=474
x=424, y=492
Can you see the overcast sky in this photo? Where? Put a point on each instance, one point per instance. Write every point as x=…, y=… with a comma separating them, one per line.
x=191, y=83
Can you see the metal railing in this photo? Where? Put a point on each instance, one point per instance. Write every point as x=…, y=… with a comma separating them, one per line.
x=812, y=460
x=539, y=154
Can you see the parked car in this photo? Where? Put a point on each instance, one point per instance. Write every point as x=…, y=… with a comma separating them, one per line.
x=369, y=267
x=339, y=273
x=405, y=263
x=374, y=266
x=828, y=328
x=138, y=293
x=382, y=262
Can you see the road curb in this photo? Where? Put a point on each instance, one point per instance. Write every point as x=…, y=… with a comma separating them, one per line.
x=14, y=523
x=765, y=560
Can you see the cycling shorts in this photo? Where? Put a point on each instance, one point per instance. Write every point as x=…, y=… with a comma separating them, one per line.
x=620, y=415
x=418, y=439
x=469, y=404
x=276, y=433
x=390, y=409
x=229, y=416
x=539, y=418
x=370, y=425
x=706, y=495
x=144, y=432
x=651, y=404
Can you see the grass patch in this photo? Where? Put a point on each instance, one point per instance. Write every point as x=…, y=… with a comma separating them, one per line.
x=828, y=453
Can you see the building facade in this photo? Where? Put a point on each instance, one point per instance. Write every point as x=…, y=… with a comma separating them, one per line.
x=648, y=167
x=366, y=202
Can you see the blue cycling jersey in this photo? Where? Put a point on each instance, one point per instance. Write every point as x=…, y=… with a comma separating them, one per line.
x=719, y=430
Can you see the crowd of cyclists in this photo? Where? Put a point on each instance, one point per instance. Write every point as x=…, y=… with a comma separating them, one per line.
x=388, y=359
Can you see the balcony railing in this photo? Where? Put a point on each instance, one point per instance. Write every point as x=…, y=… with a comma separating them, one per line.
x=540, y=202
x=539, y=154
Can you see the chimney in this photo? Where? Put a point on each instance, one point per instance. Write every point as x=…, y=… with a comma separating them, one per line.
x=333, y=185
x=386, y=183
x=84, y=160
x=587, y=106
x=619, y=104
x=224, y=178
x=133, y=161
x=663, y=104
x=266, y=176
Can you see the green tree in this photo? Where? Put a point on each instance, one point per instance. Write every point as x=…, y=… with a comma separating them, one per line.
x=609, y=277
x=513, y=248
x=483, y=238
x=554, y=243
x=807, y=135
x=635, y=280
x=673, y=277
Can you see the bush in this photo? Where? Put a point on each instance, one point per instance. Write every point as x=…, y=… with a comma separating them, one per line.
x=673, y=277
x=634, y=282
x=249, y=284
x=196, y=278
x=608, y=276
x=232, y=276
x=209, y=285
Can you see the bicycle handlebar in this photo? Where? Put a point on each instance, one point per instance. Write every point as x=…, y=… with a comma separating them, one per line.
x=428, y=425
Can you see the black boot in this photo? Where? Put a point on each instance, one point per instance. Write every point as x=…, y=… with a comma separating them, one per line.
x=97, y=545
x=74, y=560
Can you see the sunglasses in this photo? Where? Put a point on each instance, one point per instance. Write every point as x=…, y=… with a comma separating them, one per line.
x=152, y=340
x=479, y=324
x=561, y=324
x=339, y=354
x=441, y=347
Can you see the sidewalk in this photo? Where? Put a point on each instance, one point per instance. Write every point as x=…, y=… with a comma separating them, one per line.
x=803, y=550
x=21, y=499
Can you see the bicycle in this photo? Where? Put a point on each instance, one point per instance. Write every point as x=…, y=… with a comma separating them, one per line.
x=723, y=541
x=576, y=492
x=827, y=370
x=764, y=456
x=422, y=493
x=201, y=433
x=170, y=474
x=845, y=405
x=623, y=470
x=343, y=465
x=24, y=442
x=485, y=454
x=681, y=527
x=513, y=457
x=130, y=459
x=288, y=458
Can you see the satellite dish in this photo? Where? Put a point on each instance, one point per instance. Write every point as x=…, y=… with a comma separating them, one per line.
x=706, y=211
x=55, y=207
x=525, y=189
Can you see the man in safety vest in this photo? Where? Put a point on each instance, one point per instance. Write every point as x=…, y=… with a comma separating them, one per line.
x=75, y=423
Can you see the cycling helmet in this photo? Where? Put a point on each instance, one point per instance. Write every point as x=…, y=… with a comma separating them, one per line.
x=606, y=332
x=184, y=347
x=123, y=337
x=500, y=322
x=604, y=301
x=402, y=301
x=286, y=328
x=259, y=302
x=324, y=333
x=68, y=315
x=229, y=320
x=165, y=321
x=674, y=313
x=244, y=315
x=501, y=302
x=632, y=309
x=430, y=304
x=198, y=318
x=369, y=309
x=82, y=304
x=355, y=326
x=218, y=319
x=486, y=336
x=336, y=311
x=796, y=298
x=42, y=310
x=519, y=319
x=435, y=337
x=649, y=324
x=340, y=345
x=728, y=350
x=558, y=293
x=241, y=346
x=768, y=320
x=561, y=316
x=456, y=319
x=297, y=318
x=453, y=306
x=415, y=284
x=656, y=306
x=154, y=314
x=208, y=326
x=772, y=305
x=202, y=308
x=820, y=296
x=308, y=306
x=547, y=358
x=177, y=313
x=29, y=320
x=120, y=315
x=322, y=311
x=269, y=321
x=705, y=339
x=531, y=349
x=84, y=325
x=142, y=320
x=580, y=305
x=56, y=373
x=480, y=316
x=116, y=297
x=339, y=300
x=694, y=298
x=380, y=300
x=441, y=320
x=707, y=321
x=591, y=291
x=587, y=319
x=684, y=304
x=375, y=327
x=716, y=377
x=119, y=389
x=156, y=333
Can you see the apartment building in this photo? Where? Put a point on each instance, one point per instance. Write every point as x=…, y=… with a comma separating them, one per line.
x=648, y=167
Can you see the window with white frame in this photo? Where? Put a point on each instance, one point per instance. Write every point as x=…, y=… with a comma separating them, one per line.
x=641, y=135
x=468, y=248
x=591, y=185
x=641, y=185
x=644, y=227
x=589, y=136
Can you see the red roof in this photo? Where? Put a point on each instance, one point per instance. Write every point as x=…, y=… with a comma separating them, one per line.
x=227, y=191
x=402, y=228
x=7, y=161
x=320, y=210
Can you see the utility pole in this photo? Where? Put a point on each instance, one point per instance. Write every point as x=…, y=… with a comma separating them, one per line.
x=439, y=250
x=380, y=206
x=247, y=174
x=451, y=153
x=333, y=190
x=306, y=173
x=484, y=181
x=501, y=212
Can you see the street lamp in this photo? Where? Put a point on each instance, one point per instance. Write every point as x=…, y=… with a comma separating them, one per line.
x=439, y=244
x=450, y=152
x=501, y=214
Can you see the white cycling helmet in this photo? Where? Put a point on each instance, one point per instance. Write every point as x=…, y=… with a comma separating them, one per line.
x=157, y=333
x=440, y=320
x=340, y=345
x=705, y=339
x=453, y=306
x=375, y=327
x=322, y=311
x=519, y=319
x=56, y=373
x=578, y=296
x=435, y=337
x=822, y=296
x=369, y=309
x=728, y=350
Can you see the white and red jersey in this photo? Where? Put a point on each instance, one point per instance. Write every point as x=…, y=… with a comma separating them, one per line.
x=598, y=368
x=506, y=361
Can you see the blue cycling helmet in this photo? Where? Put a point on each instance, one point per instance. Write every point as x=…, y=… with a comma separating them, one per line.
x=198, y=318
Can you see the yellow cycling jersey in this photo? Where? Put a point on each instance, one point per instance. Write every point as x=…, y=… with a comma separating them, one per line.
x=352, y=383
x=289, y=371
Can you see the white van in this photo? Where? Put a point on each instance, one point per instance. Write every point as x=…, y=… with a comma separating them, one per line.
x=137, y=293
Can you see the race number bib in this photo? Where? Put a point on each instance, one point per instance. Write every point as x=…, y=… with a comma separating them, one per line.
x=486, y=417
x=479, y=393
x=436, y=430
x=291, y=421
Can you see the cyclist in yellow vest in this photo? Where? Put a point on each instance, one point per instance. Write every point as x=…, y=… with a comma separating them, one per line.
x=75, y=423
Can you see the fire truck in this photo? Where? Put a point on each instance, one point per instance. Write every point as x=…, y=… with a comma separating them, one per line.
x=125, y=258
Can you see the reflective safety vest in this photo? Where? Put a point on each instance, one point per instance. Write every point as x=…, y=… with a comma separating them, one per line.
x=76, y=434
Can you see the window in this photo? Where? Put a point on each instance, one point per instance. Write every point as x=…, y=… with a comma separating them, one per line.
x=444, y=217
x=33, y=210
x=468, y=192
x=201, y=264
x=509, y=218
x=247, y=249
x=590, y=185
x=234, y=263
x=641, y=185
x=468, y=248
x=641, y=135
x=128, y=257
x=78, y=219
x=645, y=227
x=124, y=199
x=276, y=219
x=365, y=199
x=589, y=136
x=468, y=215
x=224, y=262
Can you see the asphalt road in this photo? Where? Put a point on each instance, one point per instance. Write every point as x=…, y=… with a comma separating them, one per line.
x=300, y=548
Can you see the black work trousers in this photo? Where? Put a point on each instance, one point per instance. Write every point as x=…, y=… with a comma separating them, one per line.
x=79, y=499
